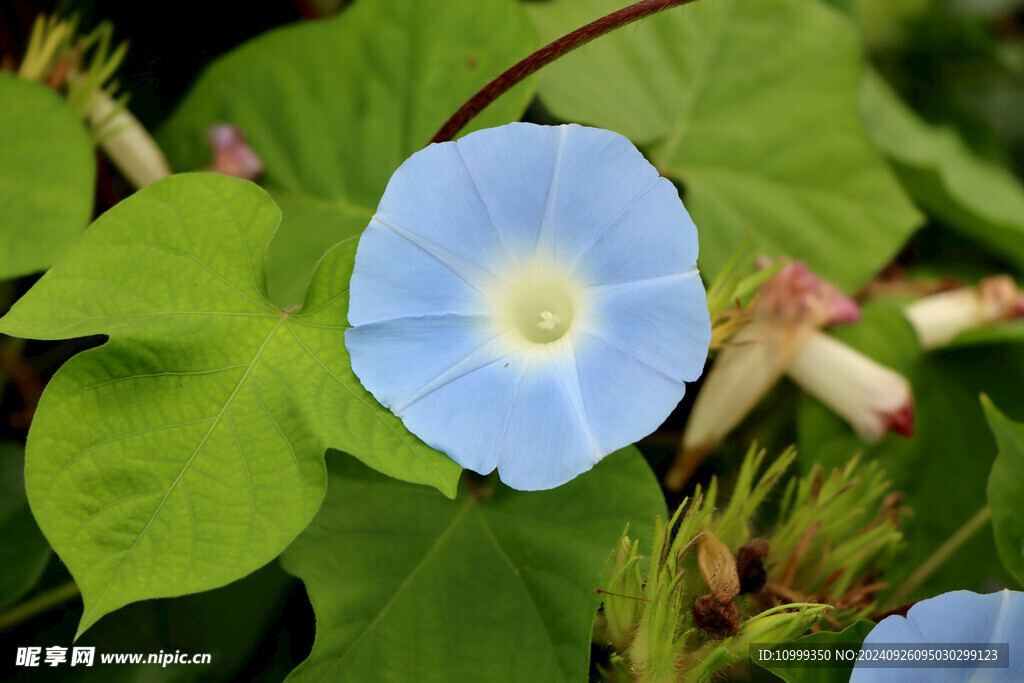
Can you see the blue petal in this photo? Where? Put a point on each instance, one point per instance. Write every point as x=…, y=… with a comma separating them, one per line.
x=662, y=322
x=381, y=291
x=548, y=439
x=402, y=361
x=627, y=251
x=432, y=200
x=611, y=379
x=521, y=414
x=466, y=417
x=512, y=172
x=599, y=175
x=956, y=617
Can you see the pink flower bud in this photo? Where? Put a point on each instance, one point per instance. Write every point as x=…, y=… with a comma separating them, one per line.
x=789, y=307
x=231, y=155
x=795, y=294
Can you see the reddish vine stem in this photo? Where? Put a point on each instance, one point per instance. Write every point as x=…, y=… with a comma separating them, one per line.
x=545, y=56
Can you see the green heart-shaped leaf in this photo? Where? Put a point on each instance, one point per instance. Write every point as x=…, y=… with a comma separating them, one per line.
x=977, y=198
x=409, y=586
x=188, y=450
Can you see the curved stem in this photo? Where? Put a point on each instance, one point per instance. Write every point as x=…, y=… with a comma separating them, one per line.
x=37, y=605
x=545, y=56
x=941, y=554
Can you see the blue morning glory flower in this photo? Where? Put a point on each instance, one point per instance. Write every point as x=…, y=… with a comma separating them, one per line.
x=527, y=298
x=957, y=617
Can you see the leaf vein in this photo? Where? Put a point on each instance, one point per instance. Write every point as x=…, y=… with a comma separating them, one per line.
x=398, y=591
x=277, y=427
x=216, y=420
x=515, y=570
x=119, y=437
x=192, y=520
x=162, y=374
x=248, y=481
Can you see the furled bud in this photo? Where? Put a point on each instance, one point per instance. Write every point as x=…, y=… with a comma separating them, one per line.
x=789, y=307
x=231, y=154
x=779, y=625
x=940, y=317
x=623, y=593
x=874, y=399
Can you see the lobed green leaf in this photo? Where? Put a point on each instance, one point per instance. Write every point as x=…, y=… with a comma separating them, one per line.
x=188, y=450
x=977, y=198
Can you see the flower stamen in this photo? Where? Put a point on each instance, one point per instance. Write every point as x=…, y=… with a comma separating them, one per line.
x=540, y=307
x=549, y=320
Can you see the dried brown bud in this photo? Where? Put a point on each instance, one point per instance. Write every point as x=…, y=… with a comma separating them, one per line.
x=891, y=508
x=718, y=616
x=750, y=566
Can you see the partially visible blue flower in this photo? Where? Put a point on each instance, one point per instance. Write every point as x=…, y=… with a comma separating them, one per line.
x=527, y=298
x=957, y=617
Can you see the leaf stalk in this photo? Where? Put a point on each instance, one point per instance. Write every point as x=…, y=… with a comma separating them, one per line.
x=941, y=554
x=38, y=604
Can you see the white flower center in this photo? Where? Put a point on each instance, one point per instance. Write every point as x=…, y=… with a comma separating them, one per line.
x=537, y=302
x=542, y=311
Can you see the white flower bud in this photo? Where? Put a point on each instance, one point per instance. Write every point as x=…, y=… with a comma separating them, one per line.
x=790, y=306
x=874, y=399
x=940, y=317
